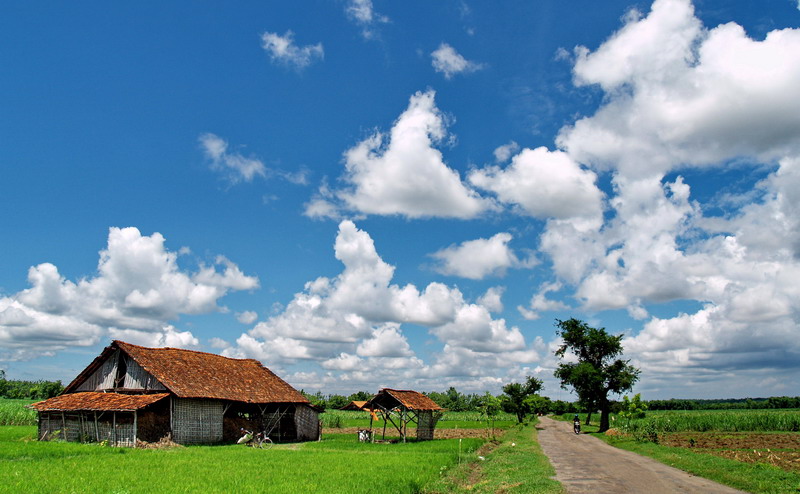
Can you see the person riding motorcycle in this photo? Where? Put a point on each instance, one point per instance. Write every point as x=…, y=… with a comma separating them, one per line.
x=576, y=424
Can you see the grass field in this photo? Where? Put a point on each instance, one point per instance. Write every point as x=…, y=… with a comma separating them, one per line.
x=338, y=463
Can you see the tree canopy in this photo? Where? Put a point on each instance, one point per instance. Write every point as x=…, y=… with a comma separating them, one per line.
x=597, y=371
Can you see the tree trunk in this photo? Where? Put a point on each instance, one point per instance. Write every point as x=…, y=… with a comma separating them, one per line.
x=604, y=413
x=588, y=417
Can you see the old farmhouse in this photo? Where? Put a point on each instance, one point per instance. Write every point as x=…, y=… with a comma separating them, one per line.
x=131, y=393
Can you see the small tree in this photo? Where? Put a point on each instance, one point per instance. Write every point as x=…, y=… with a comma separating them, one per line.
x=489, y=407
x=596, y=373
x=514, y=394
x=632, y=409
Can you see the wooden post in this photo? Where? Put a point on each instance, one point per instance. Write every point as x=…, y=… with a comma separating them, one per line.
x=135, y=427
x=114, y=429
x=96, y=428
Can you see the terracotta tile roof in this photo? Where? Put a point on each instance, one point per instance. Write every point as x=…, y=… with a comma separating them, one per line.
x=412, y=400
x=355, y=405
x=192, y=374
x=106, y=402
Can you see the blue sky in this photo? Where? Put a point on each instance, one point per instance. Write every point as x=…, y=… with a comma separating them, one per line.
x=407, y=194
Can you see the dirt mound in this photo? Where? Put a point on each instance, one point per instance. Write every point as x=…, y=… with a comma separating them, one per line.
x=165, y=442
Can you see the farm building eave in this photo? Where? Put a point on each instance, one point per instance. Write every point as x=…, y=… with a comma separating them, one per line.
x=99, y=402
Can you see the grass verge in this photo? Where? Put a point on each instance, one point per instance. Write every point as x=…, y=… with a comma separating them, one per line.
x=514, y=464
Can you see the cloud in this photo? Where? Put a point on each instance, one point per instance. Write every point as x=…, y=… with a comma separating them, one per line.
x=678, y=95
x=447, y=61
x=247, y=317
x=505, y=152
x=236, y=167
x=477, y=259
x=544, y=184
x=361, y=313
x=282, y=49
x=137, y=290
x=405, y=174
x=363, y=14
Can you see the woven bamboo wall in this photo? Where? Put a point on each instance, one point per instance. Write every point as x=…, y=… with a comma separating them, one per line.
x=82, y=427
x=426, y=424
x=197, y=421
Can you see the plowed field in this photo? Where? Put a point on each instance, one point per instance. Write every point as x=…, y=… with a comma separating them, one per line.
x=779, y=449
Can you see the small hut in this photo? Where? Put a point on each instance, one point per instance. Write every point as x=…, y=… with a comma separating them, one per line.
x=400, y=407
x=131, y=393
x=355, y=405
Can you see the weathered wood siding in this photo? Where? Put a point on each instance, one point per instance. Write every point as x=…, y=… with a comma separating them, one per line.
x=102, y=378
x=138, y=378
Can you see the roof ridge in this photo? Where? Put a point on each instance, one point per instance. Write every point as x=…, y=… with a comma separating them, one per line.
x=187, y=350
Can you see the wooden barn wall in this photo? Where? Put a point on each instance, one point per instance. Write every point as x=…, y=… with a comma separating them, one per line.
x=102, y=378
x=196, y=421
x=306, y=421
x=137, y=378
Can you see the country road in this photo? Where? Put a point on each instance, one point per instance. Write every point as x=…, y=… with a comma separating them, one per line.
x=585, y=464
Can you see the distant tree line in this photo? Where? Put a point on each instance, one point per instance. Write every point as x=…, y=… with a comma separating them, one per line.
x=726, y=404
x=32, y=390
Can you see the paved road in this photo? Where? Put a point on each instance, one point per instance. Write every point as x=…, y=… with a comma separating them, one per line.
x=585, y=464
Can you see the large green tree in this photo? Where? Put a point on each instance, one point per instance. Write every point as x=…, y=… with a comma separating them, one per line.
x=597, y=371
x=514, y=397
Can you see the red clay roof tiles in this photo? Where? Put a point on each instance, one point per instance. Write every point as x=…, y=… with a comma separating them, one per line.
x=412, y=400
x=192, y=374
x=106, y=402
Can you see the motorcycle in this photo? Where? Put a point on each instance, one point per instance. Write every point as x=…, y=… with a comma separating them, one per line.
x=576, y=426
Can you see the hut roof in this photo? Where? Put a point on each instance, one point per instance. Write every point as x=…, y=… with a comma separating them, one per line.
x=355, y=405
x=106, y=402
x=193, y=374
x=412, y=400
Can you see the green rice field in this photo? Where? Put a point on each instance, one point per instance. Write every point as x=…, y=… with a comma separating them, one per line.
x=337, y=464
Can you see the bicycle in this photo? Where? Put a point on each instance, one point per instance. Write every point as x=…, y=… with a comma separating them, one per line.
x=258, y=440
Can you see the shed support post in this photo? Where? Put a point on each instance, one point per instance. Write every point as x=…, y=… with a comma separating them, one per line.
x=114, y=429
x=135, y=428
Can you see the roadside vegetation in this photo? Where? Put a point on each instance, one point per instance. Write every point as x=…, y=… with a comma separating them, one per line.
x=513, y=464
